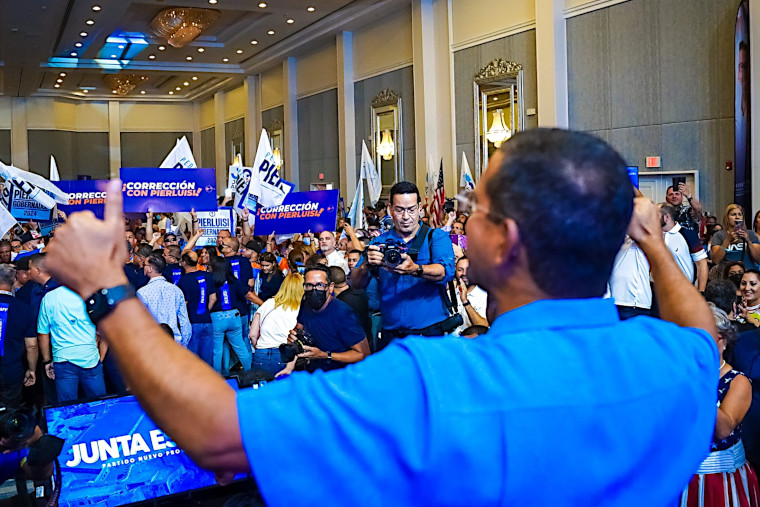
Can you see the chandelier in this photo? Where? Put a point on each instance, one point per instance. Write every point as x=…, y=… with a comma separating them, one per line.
x=277, y=157
x=180, y=25
x=499, y=132
x=122, y=84
x=386, y=148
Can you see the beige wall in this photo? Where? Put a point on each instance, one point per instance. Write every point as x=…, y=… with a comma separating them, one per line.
x=5, y=112
x=58, y=114
x=207, y=114
x=383, y=46
x=271, y=88
x=478, y=21
x=576, y=7
x=234, y=104
x=317, y=71
x=155, y=117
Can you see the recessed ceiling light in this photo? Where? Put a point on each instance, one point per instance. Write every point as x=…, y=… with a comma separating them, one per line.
x=195, y=78
x=290, y=21
x=73, y=53
x=178, y=88
x=85, y=91
x=212, y=2
x=96, y=8
x=171, y=92
x=152, y=57
x=142, y=92
x=57, y=85
x=239, y=51
x=59, y=80
x=113, y=91
x=78, y=44
x=90, y=22
x=271, y=32
x=262, y=4
x=186, y=83
x=62, y=74
x=254, y=42
x=161, y=48
x=120, y=46
x=113, y=56
x=201, y=50
x=189, y=58
x=83, y=34
x=225, y=60
x=310, y=9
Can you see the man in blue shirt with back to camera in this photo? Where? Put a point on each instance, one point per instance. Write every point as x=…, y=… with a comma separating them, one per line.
x=559, y=403
x=412, y=264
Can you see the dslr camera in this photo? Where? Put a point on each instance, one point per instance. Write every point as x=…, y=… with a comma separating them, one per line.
x=392, y=253
x=289, y=351
x=16, y=424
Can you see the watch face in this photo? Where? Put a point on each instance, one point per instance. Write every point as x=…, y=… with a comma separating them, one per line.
x=97, y=306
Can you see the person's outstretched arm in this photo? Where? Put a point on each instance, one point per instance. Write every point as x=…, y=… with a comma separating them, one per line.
x=182, y=394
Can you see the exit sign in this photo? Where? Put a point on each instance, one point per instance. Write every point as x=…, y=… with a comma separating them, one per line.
x=654, y=162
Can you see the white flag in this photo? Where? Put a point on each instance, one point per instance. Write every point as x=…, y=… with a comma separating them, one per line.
x=54, y=176
x=266, y=186
x=465, y=180
x=369, y=173
x=181, y=156
x=432, y=177
x=34, y=186
x=6, y=221
x=356, y=214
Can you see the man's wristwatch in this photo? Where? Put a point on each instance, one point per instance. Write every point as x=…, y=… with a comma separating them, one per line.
x=418, y=272
x=104, y=301
x=329, y=356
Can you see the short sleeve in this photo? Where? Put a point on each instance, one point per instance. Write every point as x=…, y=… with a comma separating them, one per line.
x=720, y=236
x=443, y=253
x=352, y=331
x=265, y=308
x=43, y=322
x=753, y=237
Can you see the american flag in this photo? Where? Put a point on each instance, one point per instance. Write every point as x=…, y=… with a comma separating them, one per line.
x=439, y=197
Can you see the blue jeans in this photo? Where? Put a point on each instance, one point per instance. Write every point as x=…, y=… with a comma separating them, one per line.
x=227, y=325
x=228, y=356
x=268, y=360
x=202, y=342
x=69, y=376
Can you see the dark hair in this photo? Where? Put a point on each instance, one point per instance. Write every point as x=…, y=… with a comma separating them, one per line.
x=319, y=267
x=174, y=250
x=270, y=258
x=584, y=179
x=38, y=259
x=337, y=275
x=356, y=251
x=721, y=293
x=294, y=259
x=671, y=187
x=211, y=251
x=462, y=258
x=144, y=251
x=5, y=242
x=220, y=270
x=753, y=271
x=730, y=265
x=754, y=221
x=404, y=187
x=314, y=260
x=157, y=261
x=188, y=259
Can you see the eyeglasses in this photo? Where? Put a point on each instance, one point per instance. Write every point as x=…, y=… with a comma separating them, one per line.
x=312, y=286
x=466, y=203
x=409, y=211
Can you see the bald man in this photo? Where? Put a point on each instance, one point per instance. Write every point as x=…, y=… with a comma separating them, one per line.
x=198, y=288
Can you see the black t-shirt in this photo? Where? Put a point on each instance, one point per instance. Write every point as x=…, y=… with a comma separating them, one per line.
x=357, y=300
x=269, y=288
x=334, y=329
x=242, y=270
x=32, y=293
x=233, y=294
x=18, y=321
x=135, y=275
x=192, y=285
x=172, y=273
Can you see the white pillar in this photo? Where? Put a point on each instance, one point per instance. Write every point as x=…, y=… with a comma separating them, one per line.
x=346, y=116
x=114, y=138
x=252, y=118
x=433, y=86
x=290, y=129
x=220, y=143
x=19, y=138
x=754, y=69
x=551, y=62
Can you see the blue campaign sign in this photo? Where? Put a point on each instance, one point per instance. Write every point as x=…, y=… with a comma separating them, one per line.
x=24, y=208
x=300, y=212
x=168, y=190
x=84, y=195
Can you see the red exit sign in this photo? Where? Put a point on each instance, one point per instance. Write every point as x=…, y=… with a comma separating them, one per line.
x=654, y=162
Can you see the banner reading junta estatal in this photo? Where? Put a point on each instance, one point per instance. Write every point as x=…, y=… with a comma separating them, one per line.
x=261, y=185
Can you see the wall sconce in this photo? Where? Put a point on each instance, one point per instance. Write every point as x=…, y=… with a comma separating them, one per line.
x=498, y=133
x=277, y=157
x=386, y=148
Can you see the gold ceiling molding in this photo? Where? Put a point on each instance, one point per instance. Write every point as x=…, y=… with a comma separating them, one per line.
x=386, y=97
x=497, y=69
x=181, y=25
x=123, y=83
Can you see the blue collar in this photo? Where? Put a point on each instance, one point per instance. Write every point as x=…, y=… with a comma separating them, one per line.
x=557, y=313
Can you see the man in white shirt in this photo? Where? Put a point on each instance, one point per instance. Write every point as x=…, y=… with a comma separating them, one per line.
x=335, y=257
x=629, y=284
x=686, y=253
x=164, y=300
x=472, y=301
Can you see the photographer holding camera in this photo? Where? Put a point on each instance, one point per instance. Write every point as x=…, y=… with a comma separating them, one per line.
x=413, y=263
x=328, y=334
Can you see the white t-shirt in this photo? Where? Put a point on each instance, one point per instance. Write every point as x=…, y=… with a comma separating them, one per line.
x=478, y=298
x=338, y=258
x=629, y=282
x=275, y=324
x=677, y=245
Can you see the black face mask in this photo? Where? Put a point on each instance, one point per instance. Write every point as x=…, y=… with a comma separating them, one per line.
x=736, y=278
x=315, y=299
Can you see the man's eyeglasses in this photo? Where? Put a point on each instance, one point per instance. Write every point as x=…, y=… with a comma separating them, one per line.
x=409, y=211
x=312, y=286
x=466, y=203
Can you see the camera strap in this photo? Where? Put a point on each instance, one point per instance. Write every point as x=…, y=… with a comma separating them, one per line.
x=414, y=250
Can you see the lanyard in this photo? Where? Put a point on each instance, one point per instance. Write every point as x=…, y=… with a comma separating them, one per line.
x=3, y=326
x=226, y=303
x=201, y=296
x=235, y=267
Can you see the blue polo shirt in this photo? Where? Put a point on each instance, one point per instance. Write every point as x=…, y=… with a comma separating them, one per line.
x=408, y=302
x=560, y=403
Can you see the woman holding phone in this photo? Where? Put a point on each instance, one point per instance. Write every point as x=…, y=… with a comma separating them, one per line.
x=735, y=242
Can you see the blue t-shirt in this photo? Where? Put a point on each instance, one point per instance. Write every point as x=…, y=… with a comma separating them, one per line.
x=408, y=302
x=17, y=321
x=242, y=270
x=197, y=287
x=560, y=403
x=334, y=329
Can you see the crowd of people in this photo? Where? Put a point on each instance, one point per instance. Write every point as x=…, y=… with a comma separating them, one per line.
x=271, y=306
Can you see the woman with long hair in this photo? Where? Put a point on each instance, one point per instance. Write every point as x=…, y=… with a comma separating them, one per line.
x=735, y=242
x=271, y=279
x=272, y=323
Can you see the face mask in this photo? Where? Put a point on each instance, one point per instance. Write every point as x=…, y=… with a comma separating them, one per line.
x=736, y=278
x=315, y=299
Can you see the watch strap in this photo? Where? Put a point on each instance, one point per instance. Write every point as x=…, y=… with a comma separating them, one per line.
x=103, y=302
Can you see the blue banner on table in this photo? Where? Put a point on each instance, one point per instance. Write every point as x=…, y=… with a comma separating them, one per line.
x=84, y=195
x=300, y=212
x=24, y=208
x=168, y=190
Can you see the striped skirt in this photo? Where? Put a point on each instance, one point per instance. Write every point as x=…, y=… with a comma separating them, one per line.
x=724, y=479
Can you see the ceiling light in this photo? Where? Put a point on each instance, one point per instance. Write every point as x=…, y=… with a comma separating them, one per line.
x=123, y=83
x=59, y=80
x=290, y=21
x=90, y=22
x=73, y=53
x=201, y=50
x=85, y=91
x=239, y=51
x=195, y=78
x=78, y=44
x=310, y=9
x=262, y=4
x=212, y=2
x=152, y=57
x=178, y=88
x=96, y=8
x=189, y=58
x=254, y=42
x=181, y=25
x=114, y=92
x=142, y=92
x=225, y=60
x=113, y=56
x=271, y=32
x=186, y=83
x=171, y=92
x=161, y=48
x=120, y=46
x=83, y=34
x=62, y=74
x=57, y=85
x=499, y=132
